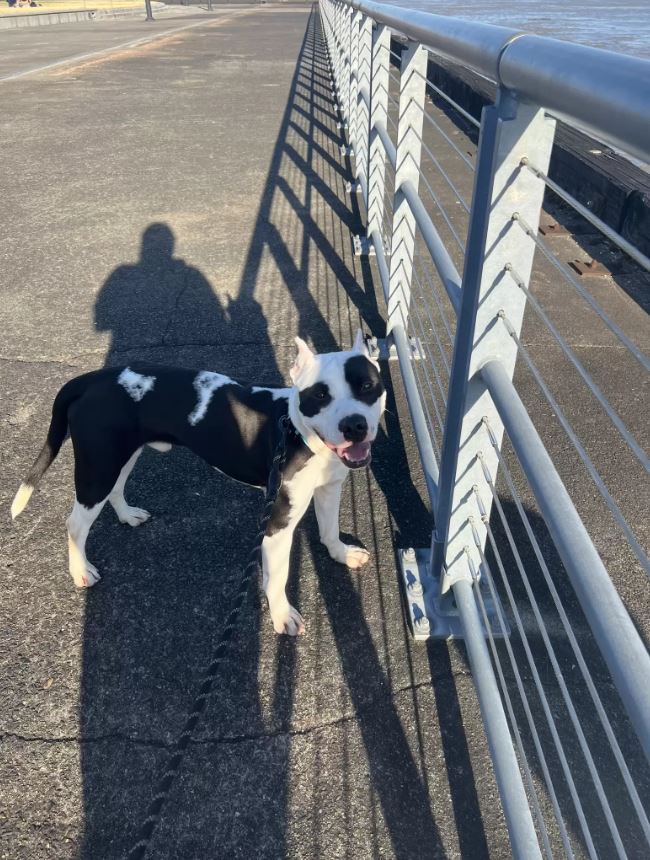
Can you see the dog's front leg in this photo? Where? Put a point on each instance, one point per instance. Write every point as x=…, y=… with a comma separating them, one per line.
x=327, y=501
x=276, y=549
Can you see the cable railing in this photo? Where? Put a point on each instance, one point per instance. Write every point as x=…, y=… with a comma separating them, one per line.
x=514, y=414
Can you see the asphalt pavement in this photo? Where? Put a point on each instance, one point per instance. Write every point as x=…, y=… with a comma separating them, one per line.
x=184, y=201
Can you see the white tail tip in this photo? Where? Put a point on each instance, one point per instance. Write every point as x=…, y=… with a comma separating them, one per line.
x=20, y=501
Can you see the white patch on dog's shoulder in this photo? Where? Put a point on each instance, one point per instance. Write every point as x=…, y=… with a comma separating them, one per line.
x=163, y=447
x=276, y=393
x=206, y=383
x=135, y=384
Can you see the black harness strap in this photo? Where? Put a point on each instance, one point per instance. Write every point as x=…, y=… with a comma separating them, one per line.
x=253, y=566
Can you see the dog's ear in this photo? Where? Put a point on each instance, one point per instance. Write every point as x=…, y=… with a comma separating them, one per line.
x=359, y=344
x=304, y=358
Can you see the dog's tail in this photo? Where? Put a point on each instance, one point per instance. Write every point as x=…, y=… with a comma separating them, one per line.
x=56, y=435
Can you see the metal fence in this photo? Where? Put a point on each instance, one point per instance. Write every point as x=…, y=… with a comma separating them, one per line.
x=514, y=569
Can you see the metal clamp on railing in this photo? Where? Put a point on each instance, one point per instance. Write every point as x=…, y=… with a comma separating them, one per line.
x=491, y=575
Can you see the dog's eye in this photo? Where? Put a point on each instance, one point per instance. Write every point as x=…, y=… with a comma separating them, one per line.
x=366, y=386
x=320, y=395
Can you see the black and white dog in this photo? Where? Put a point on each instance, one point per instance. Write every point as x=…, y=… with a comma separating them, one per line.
x=335, y=405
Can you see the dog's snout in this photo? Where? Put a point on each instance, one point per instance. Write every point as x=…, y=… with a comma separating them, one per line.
x=354, y=428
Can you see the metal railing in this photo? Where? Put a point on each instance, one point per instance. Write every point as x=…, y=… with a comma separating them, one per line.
x=504, y=520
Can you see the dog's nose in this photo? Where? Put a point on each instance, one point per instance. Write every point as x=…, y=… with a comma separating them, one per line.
x=354, y=428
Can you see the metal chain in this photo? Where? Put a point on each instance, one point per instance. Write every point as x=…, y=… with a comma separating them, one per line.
x=253, y=566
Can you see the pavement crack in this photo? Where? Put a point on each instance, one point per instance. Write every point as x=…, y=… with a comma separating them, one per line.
x=359, y=713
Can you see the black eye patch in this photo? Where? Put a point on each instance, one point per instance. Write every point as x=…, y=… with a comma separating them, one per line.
x=364, y=380
x=314, y=399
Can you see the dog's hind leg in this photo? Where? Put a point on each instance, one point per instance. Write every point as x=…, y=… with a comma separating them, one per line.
x=98, y=466
x=79, y=522
x=125, y=512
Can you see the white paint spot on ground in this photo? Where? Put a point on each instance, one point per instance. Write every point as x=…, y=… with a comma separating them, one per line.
x=206, y=383
x=135, y=384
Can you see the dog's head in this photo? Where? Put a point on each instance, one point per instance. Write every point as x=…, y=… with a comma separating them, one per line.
x=338, y=397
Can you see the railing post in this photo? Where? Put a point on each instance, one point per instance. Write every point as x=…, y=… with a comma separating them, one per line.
x=353, y=93
x=342, y=45
x=362, y=145
x=378, y=115
x=502, y=188
x=346, y=42
x=409, y=149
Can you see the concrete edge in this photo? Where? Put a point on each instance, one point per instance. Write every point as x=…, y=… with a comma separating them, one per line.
x=70, y=16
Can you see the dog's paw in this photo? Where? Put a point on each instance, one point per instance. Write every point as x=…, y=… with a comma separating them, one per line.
x=356, y=556
x=351, y=556
x=87, y=577
x=289, y=621
x=133, y=516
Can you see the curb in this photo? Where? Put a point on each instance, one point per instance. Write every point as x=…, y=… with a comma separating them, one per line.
x=44, y=19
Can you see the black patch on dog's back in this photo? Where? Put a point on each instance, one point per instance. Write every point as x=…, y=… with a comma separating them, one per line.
x=314, y=399
x=363, y=378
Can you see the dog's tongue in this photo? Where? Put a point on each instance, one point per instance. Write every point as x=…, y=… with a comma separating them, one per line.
x=357, y=452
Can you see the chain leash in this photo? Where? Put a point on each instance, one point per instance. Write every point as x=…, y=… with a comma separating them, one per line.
x=253, y=566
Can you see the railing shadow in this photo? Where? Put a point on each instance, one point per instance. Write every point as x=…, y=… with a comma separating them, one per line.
x=148, y=637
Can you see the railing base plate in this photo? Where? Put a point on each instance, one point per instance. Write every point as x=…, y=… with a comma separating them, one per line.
x=432, y=615
x=363, y=246
x=353, y=187
x=383, y=349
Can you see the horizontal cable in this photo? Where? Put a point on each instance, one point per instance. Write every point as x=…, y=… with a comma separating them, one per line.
x=584, y=456
x=451, y=143
x=522, y=695
x=549, y=647
x=435, y=199
x=588, y=215
x=414, y=310
x=434, y=327
x=616, y=634
x=638, y=451
x=423, y=399
x=577, y=651
x=434, y=292
x=557, y=741
x=415, y=315
x=450, y=101
x=460, y=197
x=611, y=325
x=439, y=254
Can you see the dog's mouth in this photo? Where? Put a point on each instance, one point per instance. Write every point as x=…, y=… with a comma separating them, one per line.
x=354, y=455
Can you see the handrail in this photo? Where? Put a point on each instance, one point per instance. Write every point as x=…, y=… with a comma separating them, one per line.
x=606, y=94
x=465, y=399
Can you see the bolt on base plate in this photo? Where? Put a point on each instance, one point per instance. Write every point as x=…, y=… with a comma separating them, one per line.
x=432, y=615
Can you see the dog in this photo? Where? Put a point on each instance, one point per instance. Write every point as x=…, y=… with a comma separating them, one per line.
x=334, y=405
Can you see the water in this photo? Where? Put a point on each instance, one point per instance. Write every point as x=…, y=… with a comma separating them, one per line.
x=616, y=25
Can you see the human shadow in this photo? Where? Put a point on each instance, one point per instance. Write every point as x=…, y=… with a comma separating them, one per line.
x=159, y=302
x=148, y=628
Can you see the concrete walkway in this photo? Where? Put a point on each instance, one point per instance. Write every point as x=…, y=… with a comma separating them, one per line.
x=184, y=201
